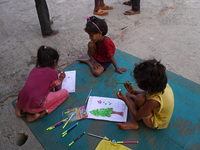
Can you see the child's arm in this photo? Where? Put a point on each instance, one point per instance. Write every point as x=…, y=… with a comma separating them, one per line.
x=147, y=109
x=61, y=78
x=131, y=90
x=91, y=51
x=119, y=70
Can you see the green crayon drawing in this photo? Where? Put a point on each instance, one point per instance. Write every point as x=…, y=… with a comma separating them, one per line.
x=105, y=112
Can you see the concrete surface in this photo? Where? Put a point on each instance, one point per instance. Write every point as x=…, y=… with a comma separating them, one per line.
x=168, y=30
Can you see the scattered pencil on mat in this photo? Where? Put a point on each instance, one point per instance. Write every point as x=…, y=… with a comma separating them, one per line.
x=57, y=124
x=97, y=136
x=77, y=139
x=124, y=142
x=88, y=96
x=68, y=130
x=68, y=121
x=69, y=111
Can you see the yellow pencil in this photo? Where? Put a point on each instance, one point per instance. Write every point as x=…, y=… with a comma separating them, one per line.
x=68, y=121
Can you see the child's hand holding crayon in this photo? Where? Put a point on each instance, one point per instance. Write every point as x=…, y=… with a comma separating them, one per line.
x=128, y=87
x=62, y=76
x=120, y=95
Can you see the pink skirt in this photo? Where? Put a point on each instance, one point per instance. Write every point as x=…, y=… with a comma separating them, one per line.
x=53, y=100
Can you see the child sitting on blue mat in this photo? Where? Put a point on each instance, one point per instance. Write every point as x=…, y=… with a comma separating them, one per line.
x=154, y=105
x=101, y=48
x=37, y=97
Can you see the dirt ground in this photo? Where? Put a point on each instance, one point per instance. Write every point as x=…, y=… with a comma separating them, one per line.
x=168, y=30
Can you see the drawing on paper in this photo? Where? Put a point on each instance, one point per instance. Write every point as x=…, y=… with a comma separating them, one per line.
x=104, y=108
x=69, y=82
x=105, y=112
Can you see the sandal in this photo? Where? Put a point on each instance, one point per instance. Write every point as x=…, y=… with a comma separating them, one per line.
x=131, y=12
x=100, y=13
x=129, y=3
x=106, y=7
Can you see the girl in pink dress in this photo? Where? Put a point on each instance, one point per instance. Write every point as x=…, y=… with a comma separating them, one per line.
x=37, y=97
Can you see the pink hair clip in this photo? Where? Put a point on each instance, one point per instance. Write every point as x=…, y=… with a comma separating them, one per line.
x=87, y=18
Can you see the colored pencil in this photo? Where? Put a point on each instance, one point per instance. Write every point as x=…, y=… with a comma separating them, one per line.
x=77, y=139
x=53, y=126
x=68, y=121
x=88, y=96
x=69, y=111
x=121, y=142
x=68, y=130
x=97, y=136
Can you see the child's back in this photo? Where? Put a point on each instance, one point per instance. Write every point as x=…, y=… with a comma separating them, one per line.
x=37, y=97
x=162, y=115
x=36, y=88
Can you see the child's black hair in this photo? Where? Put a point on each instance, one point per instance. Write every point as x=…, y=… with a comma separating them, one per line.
x=46, y=57
x=150, y=76
x=91, y=28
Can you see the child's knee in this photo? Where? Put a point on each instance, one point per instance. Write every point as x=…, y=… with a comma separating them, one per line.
x=140, y=100
x=96, y=73
x=65, y=93
x=128, y=95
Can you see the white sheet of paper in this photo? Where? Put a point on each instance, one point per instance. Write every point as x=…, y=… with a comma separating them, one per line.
x=69, y=83
x=118, y=114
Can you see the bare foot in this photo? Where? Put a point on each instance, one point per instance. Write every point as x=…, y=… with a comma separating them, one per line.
x=128, y=125
x=121, y=70
x=84, y=60
x=36, y=116
x=18, y=112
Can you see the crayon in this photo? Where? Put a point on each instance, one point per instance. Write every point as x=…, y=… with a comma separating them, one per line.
x=119, y=91
x=68, y=121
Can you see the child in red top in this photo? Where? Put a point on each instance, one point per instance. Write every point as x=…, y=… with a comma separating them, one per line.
x=36, y=98
x=101, y=49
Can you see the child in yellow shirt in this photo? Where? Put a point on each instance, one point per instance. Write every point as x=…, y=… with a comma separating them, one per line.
x=154, y=105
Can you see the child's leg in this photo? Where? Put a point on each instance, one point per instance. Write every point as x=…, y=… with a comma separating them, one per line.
x=132, y=123
x=138, y=99
x=147, y=121
x=91, y=51
x=54, y=99
x=18, y=111
x=36, y=116
x=96, y=68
